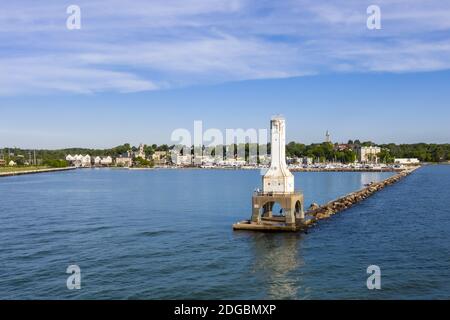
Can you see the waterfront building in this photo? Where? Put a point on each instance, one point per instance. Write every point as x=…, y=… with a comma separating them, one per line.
x=97, y=161
x=208, y=160
x=86, y=161
x=2, y=162
x=140, y=153
x=106, y=161
x=12, y=163
x=295, y=160
x=407, y=161
x=79, y=160
x=368, y=154
x=160, y=157
x=232, y=163
x=124, y=160
x=308, y=161
x=204, y=160
x=183, y=160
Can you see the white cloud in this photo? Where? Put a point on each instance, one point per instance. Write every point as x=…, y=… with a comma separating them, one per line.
x=48, y=74
x=129, y=46
x=224, y=57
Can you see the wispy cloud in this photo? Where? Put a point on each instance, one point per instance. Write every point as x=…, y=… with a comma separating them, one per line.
x=50, y=74
x=129, y=46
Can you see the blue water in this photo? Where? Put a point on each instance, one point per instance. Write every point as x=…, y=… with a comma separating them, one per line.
x=166, y=234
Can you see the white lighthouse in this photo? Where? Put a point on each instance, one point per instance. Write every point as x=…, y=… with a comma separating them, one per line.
x=278, y=187
x=278, y=178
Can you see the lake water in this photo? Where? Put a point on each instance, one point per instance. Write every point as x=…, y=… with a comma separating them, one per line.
x=166, y=234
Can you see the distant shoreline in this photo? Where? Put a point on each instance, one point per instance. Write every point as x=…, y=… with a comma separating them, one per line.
x=292, y=170
x=387, y=169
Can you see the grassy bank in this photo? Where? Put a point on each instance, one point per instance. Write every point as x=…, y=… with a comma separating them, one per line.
x=20, y=169
x=16, y=171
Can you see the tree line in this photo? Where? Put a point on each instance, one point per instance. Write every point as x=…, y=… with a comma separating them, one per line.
x=332, y=152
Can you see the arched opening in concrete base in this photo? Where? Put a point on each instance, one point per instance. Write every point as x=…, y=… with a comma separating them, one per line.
x=299, y=210
x=272, y=209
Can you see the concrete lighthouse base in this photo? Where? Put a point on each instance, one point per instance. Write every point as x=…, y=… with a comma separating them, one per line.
x=263, y=218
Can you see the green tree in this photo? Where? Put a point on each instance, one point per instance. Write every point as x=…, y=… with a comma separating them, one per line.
x=385, y=156
x=56, y=163
x=141, y=162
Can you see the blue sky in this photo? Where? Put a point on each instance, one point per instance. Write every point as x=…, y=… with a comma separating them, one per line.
x=137, y=70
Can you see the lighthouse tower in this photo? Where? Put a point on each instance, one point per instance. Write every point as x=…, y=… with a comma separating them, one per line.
x=278, y=178
x=278, y=188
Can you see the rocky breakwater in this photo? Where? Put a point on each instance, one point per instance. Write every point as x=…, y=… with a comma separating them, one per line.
x=317, y=212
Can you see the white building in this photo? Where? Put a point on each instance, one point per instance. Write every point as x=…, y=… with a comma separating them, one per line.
x=97, y=160
x=106, y=161
x=79, y=160
x=278, y=179
x=368, y=154
x=124, y=161
x=204, y=160
x=86, y=161
x=182, y=160
x=307, y=161
x=407, y=161
x=231, y=163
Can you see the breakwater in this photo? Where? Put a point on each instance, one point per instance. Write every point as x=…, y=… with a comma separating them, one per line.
x=317, y=213
x=17, y=173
